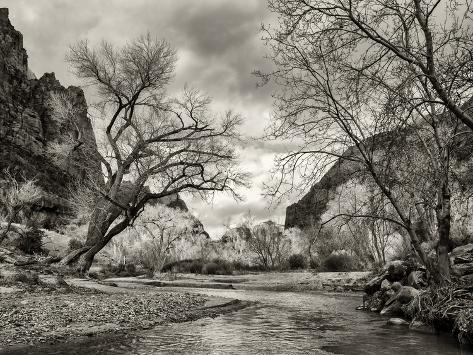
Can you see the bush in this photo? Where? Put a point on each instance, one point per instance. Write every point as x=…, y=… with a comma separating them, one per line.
x=245, y=267
x=74, y=244
x=314, y=263
x=217, y=267
x=195, y=267
x=210, y=269
x=31, y=242
x=297, y=261
x=338, y=262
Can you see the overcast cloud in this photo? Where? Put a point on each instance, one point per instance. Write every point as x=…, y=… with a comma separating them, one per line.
x=218, y=44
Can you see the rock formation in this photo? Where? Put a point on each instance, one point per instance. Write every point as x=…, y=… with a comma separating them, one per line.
x=27, y=127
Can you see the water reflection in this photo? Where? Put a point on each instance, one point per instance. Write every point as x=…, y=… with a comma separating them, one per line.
x=282, y=323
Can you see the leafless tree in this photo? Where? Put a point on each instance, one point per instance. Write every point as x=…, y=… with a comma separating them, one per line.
x=150, y=145
x=267, y=241
x=160, y=231
x=361, y=79
x=15, y=197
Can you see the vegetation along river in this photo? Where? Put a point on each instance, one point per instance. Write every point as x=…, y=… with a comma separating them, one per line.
x=279, y=323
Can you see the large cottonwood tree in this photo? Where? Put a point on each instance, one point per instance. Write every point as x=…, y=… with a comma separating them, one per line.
x=150, y=145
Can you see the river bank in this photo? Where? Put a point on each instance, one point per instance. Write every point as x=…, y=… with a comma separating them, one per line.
x=49, y=309
x=297, y=281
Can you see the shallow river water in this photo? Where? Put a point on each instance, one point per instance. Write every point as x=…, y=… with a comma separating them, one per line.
x=280, y=323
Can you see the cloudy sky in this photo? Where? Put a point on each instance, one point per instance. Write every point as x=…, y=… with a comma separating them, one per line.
x=218, y=44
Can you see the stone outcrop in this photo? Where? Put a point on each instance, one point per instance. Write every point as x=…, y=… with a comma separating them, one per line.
x=27, y=128
x=461, y=259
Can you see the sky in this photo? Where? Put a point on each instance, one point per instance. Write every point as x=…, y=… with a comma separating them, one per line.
x=218, y=44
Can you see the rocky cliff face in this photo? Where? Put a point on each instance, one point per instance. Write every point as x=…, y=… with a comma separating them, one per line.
x=312, y=205
x=27, y=127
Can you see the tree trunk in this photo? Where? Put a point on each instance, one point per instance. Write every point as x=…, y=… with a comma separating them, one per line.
x=103, y=216
x=443, y=212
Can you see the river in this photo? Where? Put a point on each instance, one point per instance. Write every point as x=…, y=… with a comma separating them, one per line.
x=279, y=323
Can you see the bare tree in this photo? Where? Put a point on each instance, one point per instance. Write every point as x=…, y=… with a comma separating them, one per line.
x=160, y=229
x=150, y=145
x=267, y=241
x=362, y=80
x=16, y=197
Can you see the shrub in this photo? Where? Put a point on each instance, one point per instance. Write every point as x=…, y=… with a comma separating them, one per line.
x=338, y=262
x=210, y=268
x=297, y=261
x=74, y=244
x=31, y=242
x=314, y=263
x=130, y=268
x=195, y=267
x=225, y=267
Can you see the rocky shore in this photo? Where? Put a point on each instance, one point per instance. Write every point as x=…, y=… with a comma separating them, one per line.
x=400, y=290
x=48, y=309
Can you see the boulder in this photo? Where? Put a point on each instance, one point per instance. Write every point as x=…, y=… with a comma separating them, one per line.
x=397, y=321
x=396, y=286
x=462, y=254
x=396, y=270
x=406, y=294
x=385, y=285
x=393, y=309
x=374, y=284
x=462, y=269
x=416, y=279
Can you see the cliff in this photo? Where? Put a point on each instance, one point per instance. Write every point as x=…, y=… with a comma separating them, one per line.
x=316, y=202
x=27, y=127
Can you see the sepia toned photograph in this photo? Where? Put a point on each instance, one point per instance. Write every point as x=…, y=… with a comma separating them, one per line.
x=236, y=177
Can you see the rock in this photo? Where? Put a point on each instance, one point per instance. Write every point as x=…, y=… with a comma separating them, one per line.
x=385, y=285
x=406, y=294
x=396, y=270
x=397, y=321
x=462, y=269
x=462, y=254
x=416, y=279
x=374, y=284
x=421, y=327
x=396, y=286
x=394, y=309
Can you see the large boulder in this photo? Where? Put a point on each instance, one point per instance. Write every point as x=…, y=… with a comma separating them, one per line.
x=462, y=254
x=462, y=269
x=397, y=270
x=406, y=294
x=462, y=260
